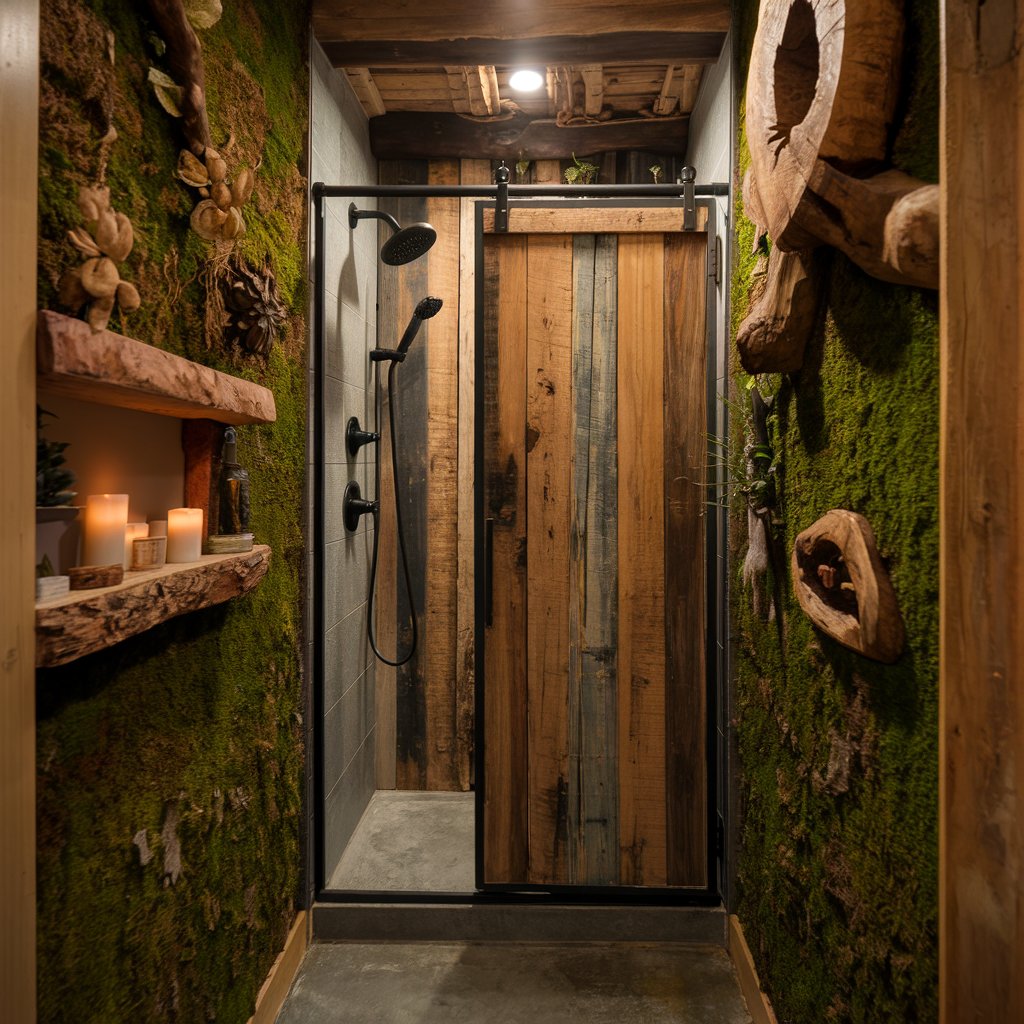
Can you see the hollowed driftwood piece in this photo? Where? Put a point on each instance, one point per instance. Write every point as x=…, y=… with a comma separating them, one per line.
x=821, y=92
x=843, y=587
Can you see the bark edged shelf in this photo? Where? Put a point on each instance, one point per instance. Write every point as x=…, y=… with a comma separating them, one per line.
x=109, y=369
x=113, y=370
x=84, y=621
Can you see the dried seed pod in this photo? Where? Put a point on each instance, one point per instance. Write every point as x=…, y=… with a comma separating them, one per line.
x=221, y=195
x=207, y=220
x=234, y=225
x=191, y=170
x=106, y=230
x=241, y=189
x=216, y=166
x=203, y=13
x=128, y=297
x=92, y=202
x=124, y=239
x=70, y=289
x=99, y=312
x=83, y=242
x=100, y=277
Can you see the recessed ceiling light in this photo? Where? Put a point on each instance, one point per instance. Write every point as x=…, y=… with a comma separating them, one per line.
x=525, y=80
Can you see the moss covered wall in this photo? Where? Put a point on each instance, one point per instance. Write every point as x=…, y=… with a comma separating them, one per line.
x=170, y=766
x=838, y=861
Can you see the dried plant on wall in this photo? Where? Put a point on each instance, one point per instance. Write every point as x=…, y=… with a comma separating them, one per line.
x=217, y=216
x=105, y=241
x=253, y=308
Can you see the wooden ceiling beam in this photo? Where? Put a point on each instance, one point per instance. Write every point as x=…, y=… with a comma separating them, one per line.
x=652, y=47
x=366, y=91
x=668, y=100
x=454, y=19
x=404, y=135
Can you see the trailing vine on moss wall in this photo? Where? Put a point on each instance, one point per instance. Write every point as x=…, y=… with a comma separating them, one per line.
x=170, y=766
x=839, y=856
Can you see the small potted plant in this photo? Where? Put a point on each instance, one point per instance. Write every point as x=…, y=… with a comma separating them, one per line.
x=580, y=173
x=56, y=539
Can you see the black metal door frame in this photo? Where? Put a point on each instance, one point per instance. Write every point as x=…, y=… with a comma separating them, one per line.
x=499, y=197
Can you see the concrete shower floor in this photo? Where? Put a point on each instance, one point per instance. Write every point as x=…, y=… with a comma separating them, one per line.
x=413, y=842
x=509, y=983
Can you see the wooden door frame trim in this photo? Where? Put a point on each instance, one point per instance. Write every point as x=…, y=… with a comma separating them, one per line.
x=19, y=181
x=981, y=516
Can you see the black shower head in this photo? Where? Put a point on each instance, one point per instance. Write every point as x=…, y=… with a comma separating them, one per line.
x=405, y=245
x=426, y=308
x=408, y=244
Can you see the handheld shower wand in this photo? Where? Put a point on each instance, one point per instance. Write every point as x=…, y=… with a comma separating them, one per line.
x=427, y=308
x=354, y=505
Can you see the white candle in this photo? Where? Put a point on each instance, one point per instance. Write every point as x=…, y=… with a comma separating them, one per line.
x=184, y=534
x=106, y=516
x=131, y=531
x=158, y=528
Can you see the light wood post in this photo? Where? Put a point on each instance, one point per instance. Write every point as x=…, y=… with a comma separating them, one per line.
x=19, y=107
x=982, y=514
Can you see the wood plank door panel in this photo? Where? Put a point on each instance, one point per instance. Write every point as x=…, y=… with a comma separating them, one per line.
x=595, y=713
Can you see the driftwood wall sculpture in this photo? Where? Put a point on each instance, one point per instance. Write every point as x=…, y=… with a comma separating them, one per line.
x=843, y=587
x=821, y=92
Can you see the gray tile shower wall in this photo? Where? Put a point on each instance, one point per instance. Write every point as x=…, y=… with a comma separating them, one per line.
x=340, y=153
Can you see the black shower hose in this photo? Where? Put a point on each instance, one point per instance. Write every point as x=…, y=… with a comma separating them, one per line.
x=398, y=521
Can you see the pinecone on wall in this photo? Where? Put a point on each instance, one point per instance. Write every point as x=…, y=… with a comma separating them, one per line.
x=255, y=313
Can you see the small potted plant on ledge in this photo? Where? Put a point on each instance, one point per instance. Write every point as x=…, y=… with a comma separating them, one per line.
x=56, y=536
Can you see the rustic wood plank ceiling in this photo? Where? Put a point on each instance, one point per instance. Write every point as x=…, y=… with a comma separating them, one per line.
x=434, y=79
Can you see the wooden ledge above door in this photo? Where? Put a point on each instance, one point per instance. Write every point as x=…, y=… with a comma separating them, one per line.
x=597, y=218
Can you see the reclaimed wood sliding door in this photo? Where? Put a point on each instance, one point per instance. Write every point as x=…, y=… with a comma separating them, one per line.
x=595, y=716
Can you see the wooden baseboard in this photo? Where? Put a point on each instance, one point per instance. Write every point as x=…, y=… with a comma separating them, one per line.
x=758, y=1004
x=282, y=973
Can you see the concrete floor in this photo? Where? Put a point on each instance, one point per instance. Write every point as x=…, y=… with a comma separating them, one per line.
x=509, y=983
x=416, y=842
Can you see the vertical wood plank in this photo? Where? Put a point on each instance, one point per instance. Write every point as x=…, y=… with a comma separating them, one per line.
x=447, y=763
x=593, y=574
x=505, y=731
x=548, y=483
x=202, y=441
x=547, y=172
x=400, y=289
x=472, y=172
x=19, y=114
x=685, y=461
x=981, y=685
x=641, y=658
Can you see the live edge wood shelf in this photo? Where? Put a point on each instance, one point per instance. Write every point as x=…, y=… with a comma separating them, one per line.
x=113, y=370
x=85, y=621
x=109, y=369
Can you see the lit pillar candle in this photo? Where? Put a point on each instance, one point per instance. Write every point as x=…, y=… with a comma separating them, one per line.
x=106, y=516
x=184, y=534
x=131, y=531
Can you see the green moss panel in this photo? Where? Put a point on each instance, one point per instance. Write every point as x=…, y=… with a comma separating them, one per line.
x=170, y=766
x=838, y=863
